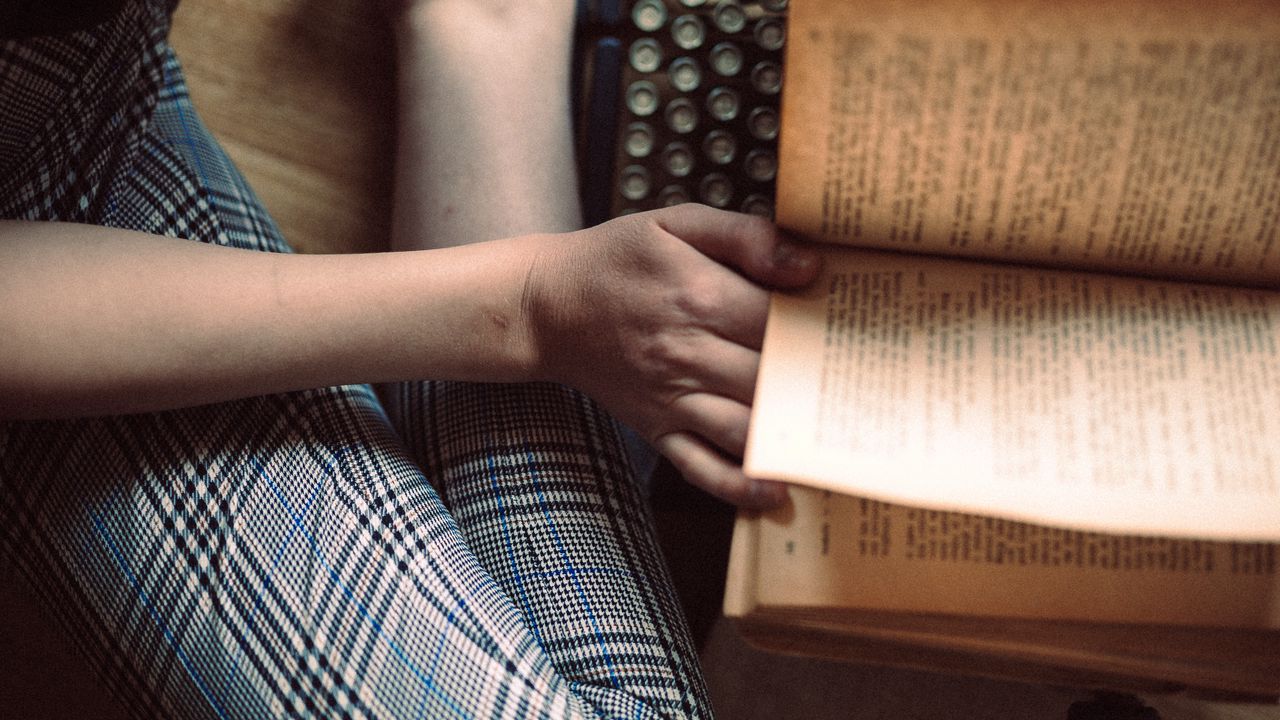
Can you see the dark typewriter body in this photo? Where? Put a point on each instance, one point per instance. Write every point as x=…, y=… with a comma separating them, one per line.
x=678, y=101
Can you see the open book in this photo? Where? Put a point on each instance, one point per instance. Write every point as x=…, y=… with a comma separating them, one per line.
x=1042, y=377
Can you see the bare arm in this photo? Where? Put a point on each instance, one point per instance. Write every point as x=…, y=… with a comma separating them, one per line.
x=97, y=320
x=485, y=147
x=659, y=316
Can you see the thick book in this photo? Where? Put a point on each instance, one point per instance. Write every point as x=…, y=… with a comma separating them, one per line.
x=1035, y=395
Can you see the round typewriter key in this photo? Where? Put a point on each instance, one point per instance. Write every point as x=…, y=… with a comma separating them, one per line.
x=726, y=59
x=757, y=205
x=682, y=116
x=774, y=5
x=639, y=140
x=678, y=159
x=688, y=32
x=767, y=77
x=693, y=3
x=672, y=195
x=646, y=55
x=649, y=15
x=770, y=34
x=763, y=123
x=635, y=182
x=716, y=190
x=685, y=74
x=642, y=98
x=722, y=103
x=730, y=17
x=762, y=165
x=720, y=147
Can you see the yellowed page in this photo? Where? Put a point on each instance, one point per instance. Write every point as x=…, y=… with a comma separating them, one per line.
x=1137, y=137
x=1088, y=401
x=836, y=552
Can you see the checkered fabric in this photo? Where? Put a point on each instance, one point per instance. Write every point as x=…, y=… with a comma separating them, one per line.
x=287, y=555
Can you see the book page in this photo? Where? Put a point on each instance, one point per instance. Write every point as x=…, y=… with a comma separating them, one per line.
x=1088, y=401
x=836, y=552
x=1136, y=137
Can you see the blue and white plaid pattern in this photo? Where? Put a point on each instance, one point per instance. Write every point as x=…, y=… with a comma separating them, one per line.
x=287, y=555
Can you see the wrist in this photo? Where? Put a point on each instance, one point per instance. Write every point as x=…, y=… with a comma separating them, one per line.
x=496, y=335
x=444, y=314
x=545, y=303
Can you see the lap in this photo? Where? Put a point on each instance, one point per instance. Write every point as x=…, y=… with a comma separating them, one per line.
x=288, y=553
x=285, y=554
x=251, y=557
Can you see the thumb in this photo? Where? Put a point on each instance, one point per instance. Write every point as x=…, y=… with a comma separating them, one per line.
x=749, y=244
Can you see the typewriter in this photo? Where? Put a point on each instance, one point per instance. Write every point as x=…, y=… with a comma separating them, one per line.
x=678, y=101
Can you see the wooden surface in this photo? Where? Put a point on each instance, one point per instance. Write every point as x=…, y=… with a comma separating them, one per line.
x=300, y=93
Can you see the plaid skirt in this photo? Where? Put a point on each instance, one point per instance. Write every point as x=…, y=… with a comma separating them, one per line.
x=293, y=554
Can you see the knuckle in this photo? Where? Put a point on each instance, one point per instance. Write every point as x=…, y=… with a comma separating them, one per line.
x=756, y=232
x=700, y=297
x=666, y=355
x=757, y=225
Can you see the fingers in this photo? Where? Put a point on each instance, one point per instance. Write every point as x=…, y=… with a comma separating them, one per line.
x=752, y=245
x=736, y=310
x=728, y=370
x=719, y=420
x=707, y=469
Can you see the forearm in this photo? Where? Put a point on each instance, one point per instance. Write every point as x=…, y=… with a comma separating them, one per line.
x=485, y=147
x=97, y=320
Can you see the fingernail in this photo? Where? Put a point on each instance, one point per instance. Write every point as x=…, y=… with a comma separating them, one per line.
x=789, y=256
x=769, y=494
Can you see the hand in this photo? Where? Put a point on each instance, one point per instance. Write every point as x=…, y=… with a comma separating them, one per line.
x=660, y=316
